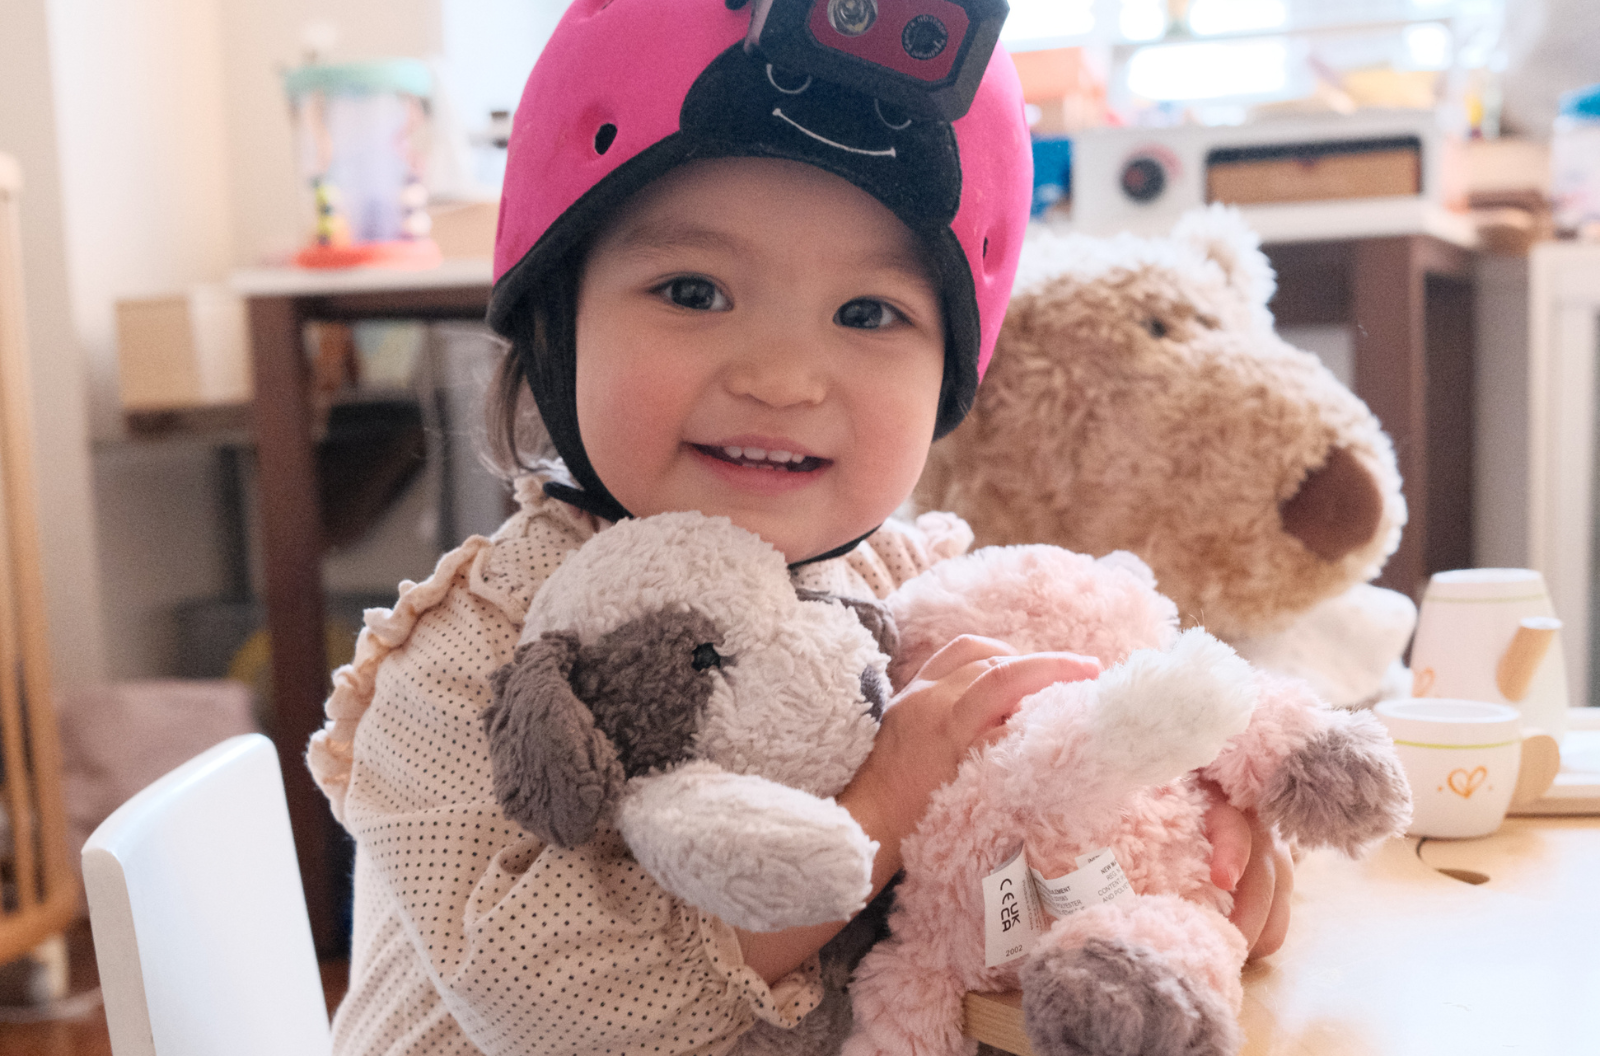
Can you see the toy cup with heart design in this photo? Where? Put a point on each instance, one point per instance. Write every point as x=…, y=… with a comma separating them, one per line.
x=1491, y=634
x=1462, y=757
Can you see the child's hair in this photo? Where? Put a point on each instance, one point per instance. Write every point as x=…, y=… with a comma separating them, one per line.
x=543, y=337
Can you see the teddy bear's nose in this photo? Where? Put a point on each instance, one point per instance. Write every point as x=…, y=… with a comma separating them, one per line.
x=1337, y=508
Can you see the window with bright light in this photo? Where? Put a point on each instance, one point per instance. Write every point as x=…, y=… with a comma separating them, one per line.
x=1143, y=19
x=1209, y=69
x=1039, y=20
x=1211, y=17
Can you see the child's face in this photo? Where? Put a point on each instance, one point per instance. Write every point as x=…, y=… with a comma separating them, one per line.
x=739, y=309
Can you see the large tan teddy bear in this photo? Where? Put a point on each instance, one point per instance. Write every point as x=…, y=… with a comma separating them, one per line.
x=1139, y=399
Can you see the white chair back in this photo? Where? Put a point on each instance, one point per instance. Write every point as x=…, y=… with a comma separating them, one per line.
x=199, y=919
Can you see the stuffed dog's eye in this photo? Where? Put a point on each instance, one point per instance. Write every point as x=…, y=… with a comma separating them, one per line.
x=705, y=655
x=1157, y=328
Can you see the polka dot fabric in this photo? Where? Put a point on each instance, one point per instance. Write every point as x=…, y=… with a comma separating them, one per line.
x=470, y=936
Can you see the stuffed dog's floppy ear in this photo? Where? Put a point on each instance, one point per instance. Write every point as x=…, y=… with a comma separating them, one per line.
x=874, y=616
x=555, y=773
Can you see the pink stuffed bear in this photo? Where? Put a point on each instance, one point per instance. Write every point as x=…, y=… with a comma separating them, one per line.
x=1116, y=762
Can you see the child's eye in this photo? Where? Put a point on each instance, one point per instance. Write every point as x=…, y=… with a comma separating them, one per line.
x=696, y=294
x=864, y=313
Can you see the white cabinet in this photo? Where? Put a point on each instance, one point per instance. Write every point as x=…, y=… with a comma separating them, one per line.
x=1563, y=340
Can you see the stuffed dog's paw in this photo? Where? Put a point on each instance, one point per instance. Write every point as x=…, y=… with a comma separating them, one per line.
x=1110, y=997
x=1162, y=714
x=1342, y=788
x=760, y=855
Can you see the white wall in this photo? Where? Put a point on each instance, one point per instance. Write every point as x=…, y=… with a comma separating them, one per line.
x=144, y=180
x=66, y=502
x=143, y=165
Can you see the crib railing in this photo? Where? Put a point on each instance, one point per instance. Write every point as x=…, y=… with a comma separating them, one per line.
x=38, y=887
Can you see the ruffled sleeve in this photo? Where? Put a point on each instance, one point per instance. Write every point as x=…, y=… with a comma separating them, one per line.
x=505, y=570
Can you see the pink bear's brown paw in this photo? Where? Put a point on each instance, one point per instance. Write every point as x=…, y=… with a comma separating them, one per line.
x=1111, y=998
x=1343, y=788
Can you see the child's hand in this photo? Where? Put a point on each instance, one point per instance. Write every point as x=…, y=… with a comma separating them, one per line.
x=960, y=700
x=1247, y=859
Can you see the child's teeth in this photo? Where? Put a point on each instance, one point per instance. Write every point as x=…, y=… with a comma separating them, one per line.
x=757, y=454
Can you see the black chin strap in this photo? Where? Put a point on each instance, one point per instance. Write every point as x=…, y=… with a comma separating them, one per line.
x=601, y=505
x=838, y=551
x=607, y=508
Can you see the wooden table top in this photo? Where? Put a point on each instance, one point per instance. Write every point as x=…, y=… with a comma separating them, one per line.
x=1391, y=957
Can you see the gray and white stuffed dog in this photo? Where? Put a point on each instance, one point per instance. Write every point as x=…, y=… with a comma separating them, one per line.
x=670, y=680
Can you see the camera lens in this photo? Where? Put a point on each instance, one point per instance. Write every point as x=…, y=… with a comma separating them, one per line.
x=924, y=37
x=852, y=17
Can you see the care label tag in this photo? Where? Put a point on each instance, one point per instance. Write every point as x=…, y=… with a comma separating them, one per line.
x=1098, y=878
x=1012, y=917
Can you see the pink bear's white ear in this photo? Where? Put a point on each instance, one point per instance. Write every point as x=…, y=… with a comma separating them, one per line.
x=1221, y=235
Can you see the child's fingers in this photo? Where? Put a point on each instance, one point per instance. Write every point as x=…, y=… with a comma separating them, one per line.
x=1228, y=829
x=1275, y=928
x=1249, y=861
x=994, y=695
x=967, y=649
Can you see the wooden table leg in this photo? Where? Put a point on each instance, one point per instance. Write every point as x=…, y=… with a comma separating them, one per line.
x=1451, y=343
x=291, y=536
x=1386, y=299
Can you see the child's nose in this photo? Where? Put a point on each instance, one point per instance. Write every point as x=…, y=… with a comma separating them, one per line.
x=780, y=373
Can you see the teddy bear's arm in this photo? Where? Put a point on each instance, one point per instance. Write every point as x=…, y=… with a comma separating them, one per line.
x=760, y=855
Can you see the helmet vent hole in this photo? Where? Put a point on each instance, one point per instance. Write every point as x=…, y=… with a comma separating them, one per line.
x=984, y=252
x=604, y=137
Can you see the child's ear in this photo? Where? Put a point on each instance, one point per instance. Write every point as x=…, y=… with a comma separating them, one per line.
x=555, y=773
x=874, y=616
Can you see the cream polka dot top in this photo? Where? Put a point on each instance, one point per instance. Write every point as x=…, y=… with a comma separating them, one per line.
x=471, y=936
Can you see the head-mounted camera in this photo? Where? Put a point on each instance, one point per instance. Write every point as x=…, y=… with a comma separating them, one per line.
x=924, y=56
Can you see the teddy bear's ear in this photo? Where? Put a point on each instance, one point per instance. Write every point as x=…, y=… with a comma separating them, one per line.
x=555, y=772
x=874, y=616
x=1221, y=235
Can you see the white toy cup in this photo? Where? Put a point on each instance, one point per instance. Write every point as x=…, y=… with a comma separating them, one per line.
x=1461, y=757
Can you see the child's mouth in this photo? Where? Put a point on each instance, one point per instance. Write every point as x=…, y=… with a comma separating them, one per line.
x=759, y=458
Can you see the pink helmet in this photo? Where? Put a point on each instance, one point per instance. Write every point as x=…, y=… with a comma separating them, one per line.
x=627, y=89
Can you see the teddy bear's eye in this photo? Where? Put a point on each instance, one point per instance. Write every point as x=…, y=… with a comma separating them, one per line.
x=1157, y=328
x=705, y=655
